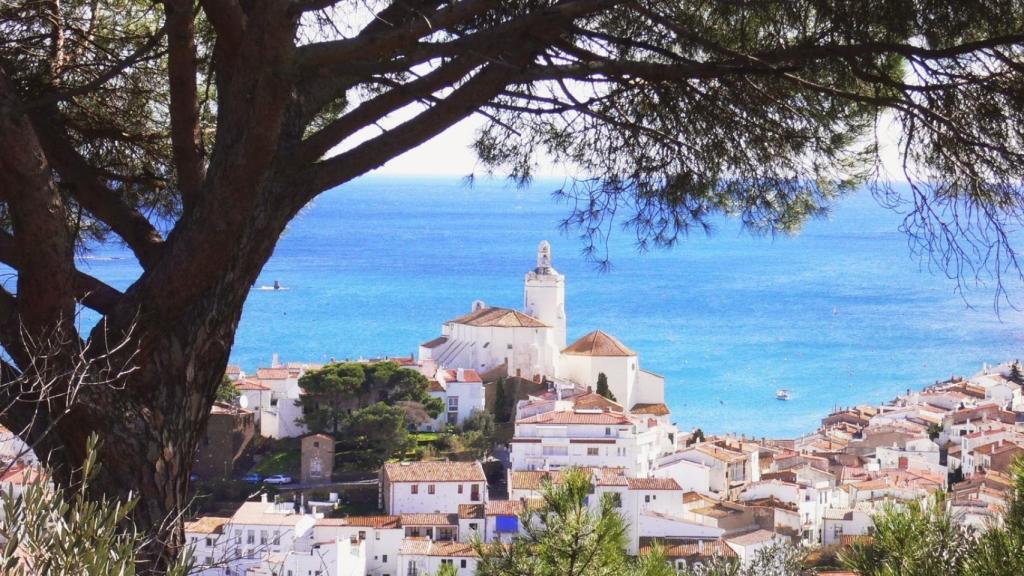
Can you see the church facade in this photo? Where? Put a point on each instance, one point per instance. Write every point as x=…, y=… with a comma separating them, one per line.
x=531, y=343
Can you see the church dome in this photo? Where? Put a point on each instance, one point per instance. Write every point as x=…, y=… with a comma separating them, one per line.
x=598, y=343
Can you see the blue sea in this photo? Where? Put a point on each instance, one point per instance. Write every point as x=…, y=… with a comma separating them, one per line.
x=840, y=314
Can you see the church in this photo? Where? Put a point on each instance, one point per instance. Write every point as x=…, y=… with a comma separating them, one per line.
x=531, y=343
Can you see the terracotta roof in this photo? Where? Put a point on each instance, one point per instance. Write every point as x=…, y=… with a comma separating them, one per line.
x=576, y=417
x=652, y=409
x=598, y=343
x=533, y=479
x=595, y=400
x=435, y=342
x=424, y=547
x=206, y=525
x=233, y=369
x=20, y=475
x=250, y=384
x=755, y=537
x=652, y=484
x=430, y=519
x=434, y=472
x=378, y=522
x=681, y=549
x=471, y=511
x=499, y=318
x=503, y=508
x=273, y=373
x=468, y=375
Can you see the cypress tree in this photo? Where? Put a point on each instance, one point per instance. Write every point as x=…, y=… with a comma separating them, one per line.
x=602, y=387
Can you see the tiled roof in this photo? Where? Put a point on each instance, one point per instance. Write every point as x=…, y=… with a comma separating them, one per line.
x=434, y=472
x=20, y=475
x=471, y=511
x=425, y=547
x=576, y=417
x=468, y=375
x=598, y=343
x=273, y=373
x=430, y=519
x=755, y=537
x=683, y=549
x=206, y=525
x=233, y=369
x=250, y=384
x=652, y=484
x=503, y=508
x=378, y=522
x=435, y=342
x=594, y=400
x=533, y=479
x=499, y=318
x=851, y=539
x=652, y=409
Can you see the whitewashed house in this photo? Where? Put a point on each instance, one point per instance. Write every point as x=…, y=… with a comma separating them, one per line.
x=431, y=487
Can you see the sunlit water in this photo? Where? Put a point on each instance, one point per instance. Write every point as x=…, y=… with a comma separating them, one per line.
x=840, y=314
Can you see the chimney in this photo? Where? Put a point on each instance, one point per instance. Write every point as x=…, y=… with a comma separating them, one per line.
x=275, y=360
x=461, y=375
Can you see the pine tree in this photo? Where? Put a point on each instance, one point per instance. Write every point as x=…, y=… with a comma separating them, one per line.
x=1015, y=375
x=501, y=408
x=602, y=387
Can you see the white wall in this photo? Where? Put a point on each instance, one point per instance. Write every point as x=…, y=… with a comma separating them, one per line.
x=691, y=476
x=446, y=497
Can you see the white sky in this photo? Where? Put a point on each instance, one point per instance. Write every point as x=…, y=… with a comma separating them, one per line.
x=449, y=154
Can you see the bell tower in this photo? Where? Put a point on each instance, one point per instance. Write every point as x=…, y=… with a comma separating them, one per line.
x=544, y=294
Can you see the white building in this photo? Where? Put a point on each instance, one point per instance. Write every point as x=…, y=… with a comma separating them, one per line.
x=431, y=487
x=381, y=537
x=589, y=437
x=424, y=557
x=461, y=390
x=532, y=344
x=839, y=522
x=731, y=463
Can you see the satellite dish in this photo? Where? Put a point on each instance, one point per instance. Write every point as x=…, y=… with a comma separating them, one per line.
x=243, y=401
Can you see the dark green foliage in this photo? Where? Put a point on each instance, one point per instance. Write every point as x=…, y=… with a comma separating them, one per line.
x=227, y=391
x=338, y=388
x=371, y=435
x=1015, y=375
x=602, y=387
x=478, y=433
x=934, y=430
x=563, y=537
x=697, y=436
x=502, y=402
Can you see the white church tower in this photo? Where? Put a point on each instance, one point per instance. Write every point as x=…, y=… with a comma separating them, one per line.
x=544, y=294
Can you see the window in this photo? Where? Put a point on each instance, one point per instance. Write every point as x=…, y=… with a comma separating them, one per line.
x=460, y=488
x=474, y=492
x=607, y=431
x=250, y=537
x=591, y=451
x=362, y=534
x=462, y=563
x=376, y=536
x=277, y=537
x=453, y=403
x=555, y=450
x=384, y=558
x=616, y=499
x=263, y=536
x=430, y=489
x=446, y=561
x=209, y=541
x=316, y=444
x=473, y=526
x=209, y=560
x=415, y=489
x=509, y=346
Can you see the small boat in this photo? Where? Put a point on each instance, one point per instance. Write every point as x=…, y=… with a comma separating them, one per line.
x=782, y=394
x=276, y=287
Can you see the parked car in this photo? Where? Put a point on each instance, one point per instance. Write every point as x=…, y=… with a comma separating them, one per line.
x=278, y=479
x=193, y=477
x=253, y=478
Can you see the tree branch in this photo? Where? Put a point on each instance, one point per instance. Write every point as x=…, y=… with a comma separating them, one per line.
x=89, y=190
x=186, y=138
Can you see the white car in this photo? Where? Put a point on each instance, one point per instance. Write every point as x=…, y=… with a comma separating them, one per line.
x=278, y=479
